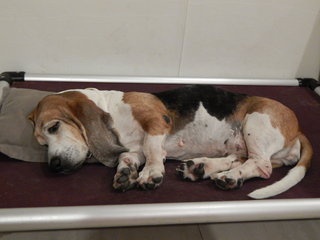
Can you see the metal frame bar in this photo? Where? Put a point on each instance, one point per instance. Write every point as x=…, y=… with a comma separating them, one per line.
x=161, y=80
x=45, y=218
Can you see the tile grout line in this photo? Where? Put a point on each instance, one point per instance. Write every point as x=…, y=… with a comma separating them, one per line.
x=201, y=234
x=183, y=39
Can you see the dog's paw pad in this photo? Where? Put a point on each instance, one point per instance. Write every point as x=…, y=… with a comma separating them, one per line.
x=189, y=163
x=150, y=178
x=226, y=183
x=125, y=171
x=122, y=179
x=152, y=183
x=199, y=170
x=125, y=179
x=157, y=180
x=190, y=170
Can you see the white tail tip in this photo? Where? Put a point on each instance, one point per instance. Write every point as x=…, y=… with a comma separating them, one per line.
x=294, y=176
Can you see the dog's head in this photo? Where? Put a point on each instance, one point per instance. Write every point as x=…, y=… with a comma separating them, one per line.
x=74, y=128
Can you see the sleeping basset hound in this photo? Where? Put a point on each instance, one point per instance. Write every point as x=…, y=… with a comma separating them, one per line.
x=224, y=136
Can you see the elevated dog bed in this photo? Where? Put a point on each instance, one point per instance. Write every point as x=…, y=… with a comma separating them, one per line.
x=26, y=185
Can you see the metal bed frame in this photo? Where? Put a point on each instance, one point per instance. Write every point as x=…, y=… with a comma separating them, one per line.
x=44, y=218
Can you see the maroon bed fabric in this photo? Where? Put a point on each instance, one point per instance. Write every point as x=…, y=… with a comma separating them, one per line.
x=33, y=185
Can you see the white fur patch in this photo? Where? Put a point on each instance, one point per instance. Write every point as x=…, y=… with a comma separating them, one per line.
x=294, y=176
x=262, y=139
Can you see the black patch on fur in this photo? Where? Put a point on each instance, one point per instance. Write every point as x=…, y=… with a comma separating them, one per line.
x=186, y=100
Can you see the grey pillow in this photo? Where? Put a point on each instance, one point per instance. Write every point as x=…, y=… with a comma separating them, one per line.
x=16, y=131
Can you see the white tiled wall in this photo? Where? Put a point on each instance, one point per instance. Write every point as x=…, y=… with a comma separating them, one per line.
x=246, y=38
x=209, y=38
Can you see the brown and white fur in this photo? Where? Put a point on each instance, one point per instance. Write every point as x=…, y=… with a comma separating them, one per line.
x=132, y=129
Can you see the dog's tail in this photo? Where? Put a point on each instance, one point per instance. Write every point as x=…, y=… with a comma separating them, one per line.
x=294, y=176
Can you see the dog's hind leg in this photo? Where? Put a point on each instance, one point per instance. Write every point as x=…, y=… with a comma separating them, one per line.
x=203, y=167
x=127, y=170
x=263, y=140
x=287, y=156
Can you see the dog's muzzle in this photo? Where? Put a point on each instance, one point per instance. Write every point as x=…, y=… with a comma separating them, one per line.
x=60, y=165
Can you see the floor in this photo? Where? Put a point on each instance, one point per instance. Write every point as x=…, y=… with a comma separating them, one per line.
x=275, y=230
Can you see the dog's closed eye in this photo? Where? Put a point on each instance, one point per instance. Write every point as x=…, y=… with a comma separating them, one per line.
x=53, y=129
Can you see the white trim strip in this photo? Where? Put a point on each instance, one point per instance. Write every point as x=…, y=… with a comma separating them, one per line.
x=25, y=219
x=162, y=80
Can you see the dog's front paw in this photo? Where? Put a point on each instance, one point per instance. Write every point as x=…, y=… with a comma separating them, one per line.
x=226, y=182
x=191, y=170
x=125, y=178
x=150, y=177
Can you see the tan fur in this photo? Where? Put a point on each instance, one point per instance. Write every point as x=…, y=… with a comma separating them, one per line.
x=282, y=118
x=149, y=111
x=55, y=107
x=306, y=152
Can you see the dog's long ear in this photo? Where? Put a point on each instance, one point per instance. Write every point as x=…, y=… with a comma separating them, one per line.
x=101, y=137
x=31, y=117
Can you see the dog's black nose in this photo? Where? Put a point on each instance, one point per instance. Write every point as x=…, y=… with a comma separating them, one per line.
x=55, y=164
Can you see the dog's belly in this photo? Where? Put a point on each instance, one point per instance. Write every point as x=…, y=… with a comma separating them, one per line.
x=206, y=136
x=187, y=145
